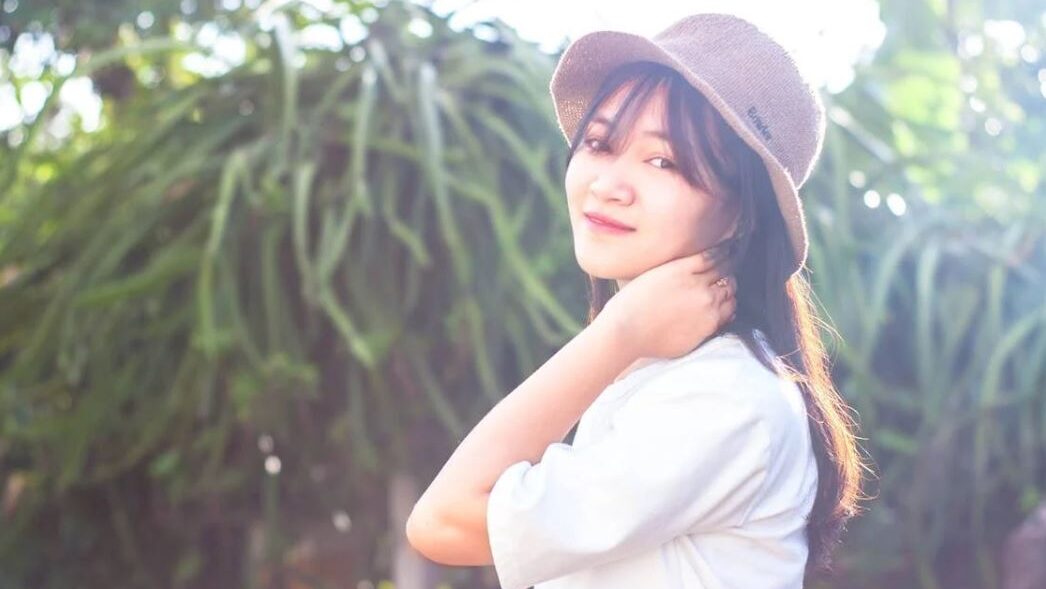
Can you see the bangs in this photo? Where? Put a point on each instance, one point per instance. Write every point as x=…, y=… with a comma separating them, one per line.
x=695, y=135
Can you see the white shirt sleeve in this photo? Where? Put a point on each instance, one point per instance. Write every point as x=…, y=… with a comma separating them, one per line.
x=675, y=462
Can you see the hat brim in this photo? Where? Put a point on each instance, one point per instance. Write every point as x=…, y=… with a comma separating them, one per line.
x=588, y=60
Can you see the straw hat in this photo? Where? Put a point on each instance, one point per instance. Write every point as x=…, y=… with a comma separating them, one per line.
x=748, y=77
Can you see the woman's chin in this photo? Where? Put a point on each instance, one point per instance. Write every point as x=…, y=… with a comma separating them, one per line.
x=605, y=271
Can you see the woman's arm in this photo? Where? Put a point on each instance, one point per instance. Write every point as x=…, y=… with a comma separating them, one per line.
x=449, y=522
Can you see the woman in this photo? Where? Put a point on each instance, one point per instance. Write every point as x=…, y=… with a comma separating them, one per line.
x=702, y=456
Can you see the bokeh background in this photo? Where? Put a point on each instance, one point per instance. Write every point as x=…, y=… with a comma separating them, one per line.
x=263, y=264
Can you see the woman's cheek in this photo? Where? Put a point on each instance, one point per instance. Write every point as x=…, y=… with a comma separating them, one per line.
x=574, y=189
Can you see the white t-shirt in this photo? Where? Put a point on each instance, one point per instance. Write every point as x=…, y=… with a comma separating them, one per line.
x=691, y=472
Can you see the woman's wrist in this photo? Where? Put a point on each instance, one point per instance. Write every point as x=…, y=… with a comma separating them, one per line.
x=615, y=331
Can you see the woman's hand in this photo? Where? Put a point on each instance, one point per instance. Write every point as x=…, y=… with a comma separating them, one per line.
x=672, y=308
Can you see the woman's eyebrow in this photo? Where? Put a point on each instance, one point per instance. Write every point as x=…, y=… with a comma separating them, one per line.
x=657, y=133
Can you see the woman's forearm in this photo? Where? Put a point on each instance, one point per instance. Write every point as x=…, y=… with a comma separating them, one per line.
x=540, y=411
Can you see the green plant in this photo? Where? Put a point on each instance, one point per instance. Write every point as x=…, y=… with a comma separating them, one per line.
x=320, y=257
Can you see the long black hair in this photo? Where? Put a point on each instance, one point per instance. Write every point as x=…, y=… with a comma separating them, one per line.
x=770, y=297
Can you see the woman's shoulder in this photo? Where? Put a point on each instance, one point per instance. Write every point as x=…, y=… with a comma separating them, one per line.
x=726, y=367
x=724, y=357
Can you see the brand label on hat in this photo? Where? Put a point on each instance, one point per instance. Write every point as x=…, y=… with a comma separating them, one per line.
x=764, y=130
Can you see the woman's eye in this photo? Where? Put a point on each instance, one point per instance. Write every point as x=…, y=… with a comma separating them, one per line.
x=669, y=165
x=596, y=145
x=593, y=144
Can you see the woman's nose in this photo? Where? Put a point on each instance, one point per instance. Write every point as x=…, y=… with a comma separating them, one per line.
x=611, y=185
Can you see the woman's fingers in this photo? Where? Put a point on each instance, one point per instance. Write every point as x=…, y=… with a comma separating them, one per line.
x=721, y=281
x=727, y=304
x=703, y=262
x=725, y=289
x=725, y=282
x=714, y=276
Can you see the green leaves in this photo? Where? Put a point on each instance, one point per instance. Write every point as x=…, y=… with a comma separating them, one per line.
x=939, y=302
x=306, y=254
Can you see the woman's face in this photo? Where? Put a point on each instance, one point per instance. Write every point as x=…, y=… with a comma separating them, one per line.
x=638, y=185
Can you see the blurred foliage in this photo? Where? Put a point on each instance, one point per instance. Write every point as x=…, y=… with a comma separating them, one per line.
x=230, y=313
x=93, y=25
x=235, y=309
x=941, y=307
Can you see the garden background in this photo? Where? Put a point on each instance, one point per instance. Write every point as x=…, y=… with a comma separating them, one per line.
x=247, y=312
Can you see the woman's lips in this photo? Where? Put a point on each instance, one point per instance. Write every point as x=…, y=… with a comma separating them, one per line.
x=599, y=226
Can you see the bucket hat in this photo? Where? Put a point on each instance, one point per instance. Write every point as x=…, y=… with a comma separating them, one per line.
x=750, y=79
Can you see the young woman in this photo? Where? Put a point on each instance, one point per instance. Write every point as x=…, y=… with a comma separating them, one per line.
x=711, y=448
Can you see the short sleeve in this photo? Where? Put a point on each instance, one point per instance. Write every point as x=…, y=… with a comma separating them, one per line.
x=675, y=462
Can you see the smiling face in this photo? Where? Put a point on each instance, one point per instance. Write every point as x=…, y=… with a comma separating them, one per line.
x=637, y=184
